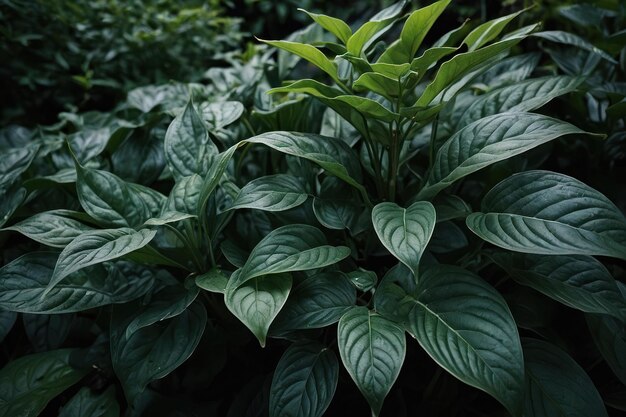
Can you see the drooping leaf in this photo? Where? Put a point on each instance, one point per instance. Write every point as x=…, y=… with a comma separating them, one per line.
x=577, y=281
x=152, y=352
x=337, y=27
x=114, y=202
x=304, y=381
x=556, y=385
x=489, y=140
x=87, y=404
x=316, y=302
x=24, y=281
x=188, y=148
x=30, y=382
x=519, y=97
x=405, y=232
x=310, y=53
x=466, y=327
x=271, y=193
x=98, y=246
x=52, y=228
x=415, y=29
x=547, y=213
x=258, y=300
x=295, y=247
x=567, y=38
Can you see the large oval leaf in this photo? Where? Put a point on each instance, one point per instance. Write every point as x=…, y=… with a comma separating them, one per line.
x=556, y=385
x=257, y=302
x=52, y=228
x=577, y=281
x=272, y=193
x=318, y=301
x=188, y=148
x=405, y=232
x=466, y=327
x=547, y=213
x=98, y=246
x=372, y=349
x=523, y=96
x=304, y=381
x=152, y=352
x=24, y=281
x=489, y=140
x=30, y=382
x=296, y=247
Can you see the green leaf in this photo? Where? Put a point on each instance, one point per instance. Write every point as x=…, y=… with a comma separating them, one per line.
x=363, y=280
x=316, y=302
x=488, y=31
x=295, y=247
x=415, y=29
x=309, y=53
x=449, y=207
x=220, y=114
x=47, y=331
x=566, y=38
x=98, y=246
x=372, y=350
x=304, y=381
x=271, y=193
x=489, y=140
x=213, y=177
x=430, y=56
x=185, y=195
x=30, y=382
x=168, y=302
x=9, y=202
x=466, y=327
x=609, y=336
x=152, y=352
x=23, y=283
x=13, y=163
x=52, y=228
x=519, y=97
x=337, y=27
x=168, y=217
x=374, y=28
x=451, y=70
x=580, y=282
x=378, y=83
x=188, y=148
x=213, y=281
x=258, y=300
x=405, y=232
x=331, y=154
x=87, y=404
x=547, y=213
x=114, y=202
x=556, y=385
x=340, y=214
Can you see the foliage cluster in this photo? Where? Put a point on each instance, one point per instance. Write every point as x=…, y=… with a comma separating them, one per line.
x=262, y=243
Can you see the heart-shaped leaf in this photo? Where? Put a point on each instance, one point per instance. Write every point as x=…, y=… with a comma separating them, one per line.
x=547, y=213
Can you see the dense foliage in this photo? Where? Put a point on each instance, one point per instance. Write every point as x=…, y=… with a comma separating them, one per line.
x=260, y=237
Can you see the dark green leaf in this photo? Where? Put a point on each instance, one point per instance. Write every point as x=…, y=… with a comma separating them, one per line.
x=88, y=404
x=272, y=193
x=52, y=228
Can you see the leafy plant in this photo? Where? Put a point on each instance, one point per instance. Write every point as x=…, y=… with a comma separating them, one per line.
x=396, y=192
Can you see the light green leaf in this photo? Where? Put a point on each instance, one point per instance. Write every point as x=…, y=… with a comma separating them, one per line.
x=152, y=352
x=213, y=281
x=578, y=281
x=379, y=84
x=547, y=213
x=372, y=350
x=556, y=385
x=466, y=327
x=304, y=381
x=52, y=228
x=316, y=302
x=168, y=217
x=519, y=97
x=257, y=302
x=87, y=404
x=415, y=29
x=488, y=31
x=114, y=202
x=374, y=28
x=405, y=232
x=30, y=382
x=295, y=247
x=566, y=38
x=271, y=193
x=188, y=148
x=98, y=246
x=430, y=56
x=23, y=283
x=489, y=140
x=311, y=54
x=337, y=27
